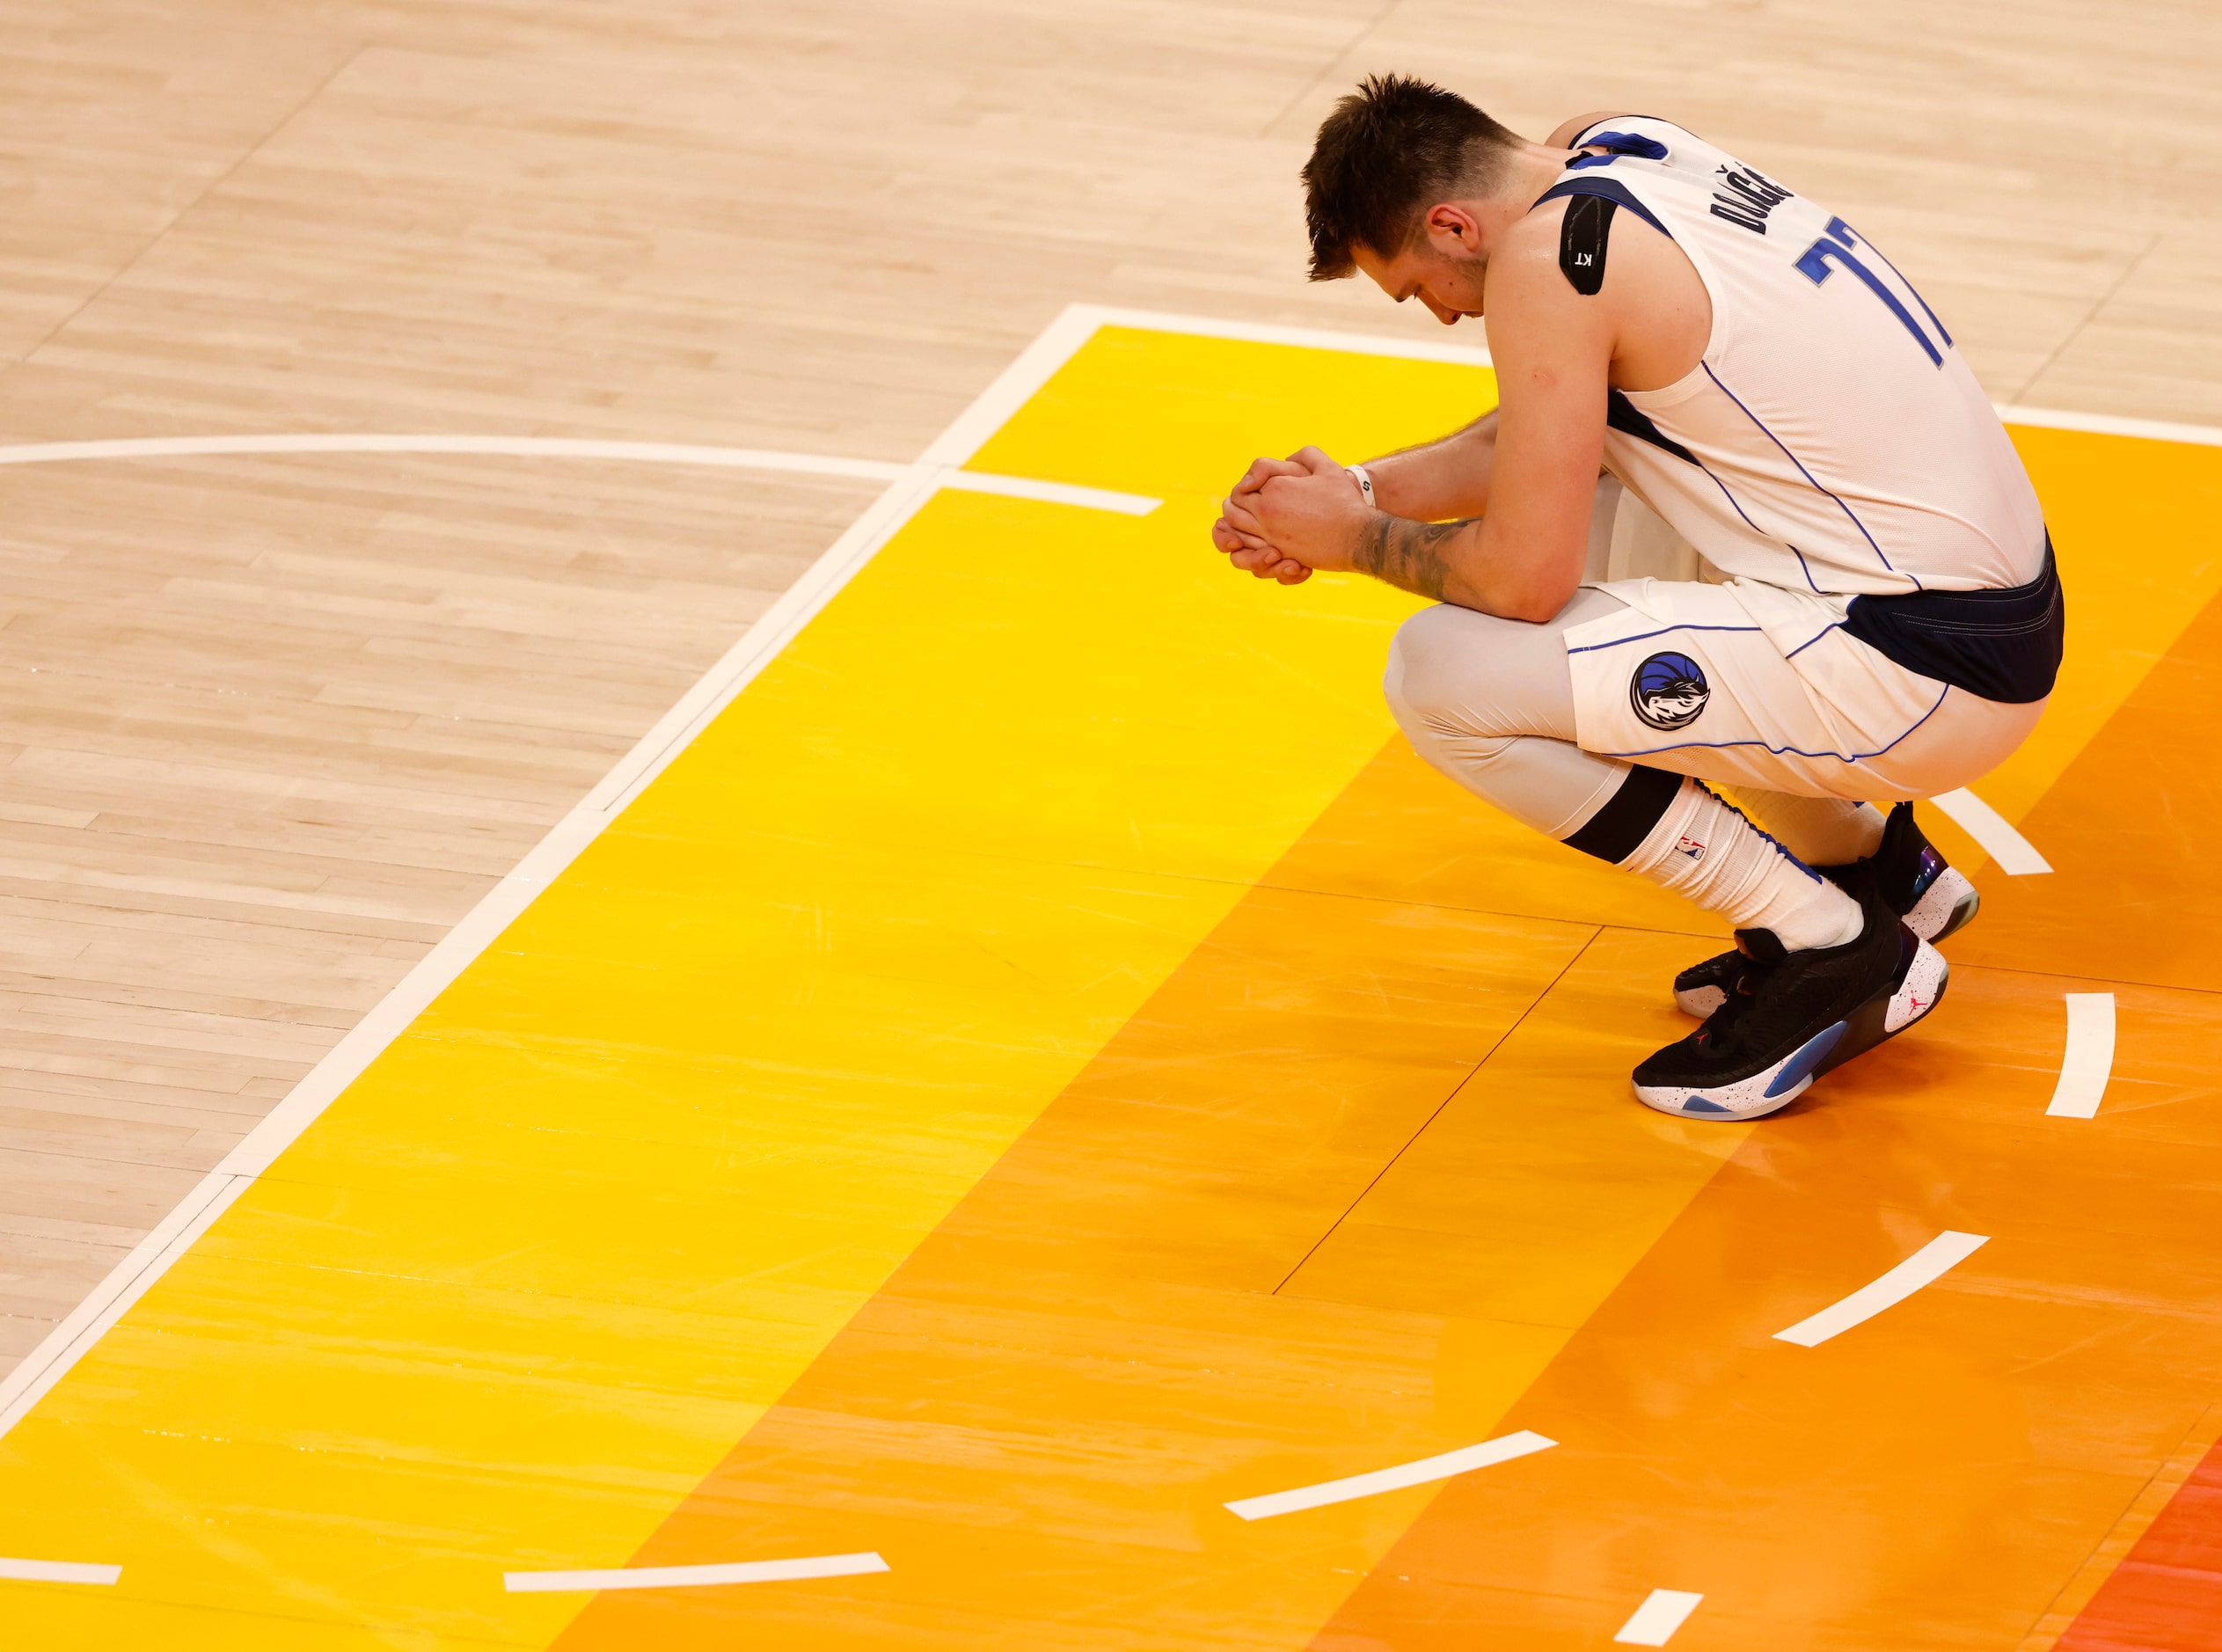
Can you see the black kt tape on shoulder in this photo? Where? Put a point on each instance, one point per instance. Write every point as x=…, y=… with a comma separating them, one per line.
x=1614, y=832
x=1582, y=237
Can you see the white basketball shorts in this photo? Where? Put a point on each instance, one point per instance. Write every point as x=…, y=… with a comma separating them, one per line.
x=1750, y=684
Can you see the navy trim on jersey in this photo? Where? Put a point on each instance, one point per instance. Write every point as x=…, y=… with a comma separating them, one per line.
x=1594, y=125
x=1733, y=506
x=1998, y=645
x=1612, y=189
x=1625, y=416
x=1616, y=144
x=1808, y=476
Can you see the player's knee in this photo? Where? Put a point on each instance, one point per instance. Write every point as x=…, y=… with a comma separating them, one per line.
x=1429, y=675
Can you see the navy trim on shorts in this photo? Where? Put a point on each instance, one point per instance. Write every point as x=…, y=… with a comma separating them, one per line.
x=2002, y=646
x=1594, y=647
x=1795, y=751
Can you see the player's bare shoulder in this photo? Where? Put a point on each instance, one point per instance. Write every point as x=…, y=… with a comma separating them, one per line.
x=1525, y=284
x=1575, y=268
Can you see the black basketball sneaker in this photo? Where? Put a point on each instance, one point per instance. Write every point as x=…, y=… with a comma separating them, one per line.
x=1914, y=880
x=1789, y=1017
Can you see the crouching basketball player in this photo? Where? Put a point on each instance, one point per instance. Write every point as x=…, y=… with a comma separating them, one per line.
x=1861, y=603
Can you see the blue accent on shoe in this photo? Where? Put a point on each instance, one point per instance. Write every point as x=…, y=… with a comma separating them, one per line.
x=1930, y=864
x=1809, y=1054
x=1698, y=1104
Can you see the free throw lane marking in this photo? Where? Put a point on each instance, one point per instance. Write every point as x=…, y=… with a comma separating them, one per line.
x=59, y=1572
x=2015, y=854
x=696, y=1577
x=1502, y=1450
x=1930, y=1263
x=1655, y=1620
x=2089, y=1059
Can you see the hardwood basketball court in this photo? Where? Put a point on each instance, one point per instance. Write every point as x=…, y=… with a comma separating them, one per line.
x=625, y=725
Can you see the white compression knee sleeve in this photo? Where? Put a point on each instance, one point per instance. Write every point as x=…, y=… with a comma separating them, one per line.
x=1822, y=831
x=1704, y=849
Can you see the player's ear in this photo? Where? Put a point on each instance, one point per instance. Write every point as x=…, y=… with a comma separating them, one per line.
x=1450, y=225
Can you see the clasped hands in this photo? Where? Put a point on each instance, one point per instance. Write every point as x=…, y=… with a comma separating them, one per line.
x=1289, y=518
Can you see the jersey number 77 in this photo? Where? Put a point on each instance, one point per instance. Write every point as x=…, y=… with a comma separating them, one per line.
x=1836, y=245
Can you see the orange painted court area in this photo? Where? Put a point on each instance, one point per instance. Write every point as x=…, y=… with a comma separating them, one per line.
x=991, y=1103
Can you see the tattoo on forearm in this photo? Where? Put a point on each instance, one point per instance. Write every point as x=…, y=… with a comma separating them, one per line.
x=1409, y=554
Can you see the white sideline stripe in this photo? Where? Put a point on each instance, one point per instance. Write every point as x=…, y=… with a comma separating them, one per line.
x=1266, y=333
x=107, y=1302
x=696, y=1577
x=1502, y=1450
x=59, y=1572
x=2111, y=425
x=575, y=448
x=2015, y=854
x=23, y=1387
x=1663, y=1610
x=1927, y=1265
x=2088, y=1061
x=1475, y=355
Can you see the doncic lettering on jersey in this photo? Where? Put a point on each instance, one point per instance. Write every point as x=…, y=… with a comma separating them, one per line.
x=1744, y=198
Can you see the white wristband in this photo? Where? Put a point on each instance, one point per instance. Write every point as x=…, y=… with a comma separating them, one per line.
x=1365, y=482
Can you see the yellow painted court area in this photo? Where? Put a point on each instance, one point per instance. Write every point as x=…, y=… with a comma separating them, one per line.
x=1051, y=960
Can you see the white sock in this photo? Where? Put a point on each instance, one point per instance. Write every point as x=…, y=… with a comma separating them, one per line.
x=1822, y=831
x=1704, y=849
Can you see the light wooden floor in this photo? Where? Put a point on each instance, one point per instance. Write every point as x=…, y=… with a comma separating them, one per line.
x=276, y=724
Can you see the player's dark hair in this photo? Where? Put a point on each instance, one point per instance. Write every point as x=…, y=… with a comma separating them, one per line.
x=1390, y=149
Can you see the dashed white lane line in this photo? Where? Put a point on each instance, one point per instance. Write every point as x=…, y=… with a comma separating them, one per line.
x=59, y=1572
x=1502, y=1450
x=694, y=1576
x=2089, y=1062
x=1654, y=1623
x=1930, y=1263
x=2015, y=854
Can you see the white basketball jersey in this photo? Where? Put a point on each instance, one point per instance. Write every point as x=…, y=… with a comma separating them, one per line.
x=1832, y=439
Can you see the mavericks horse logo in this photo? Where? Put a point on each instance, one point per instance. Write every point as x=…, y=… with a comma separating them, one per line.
x=1668, y=690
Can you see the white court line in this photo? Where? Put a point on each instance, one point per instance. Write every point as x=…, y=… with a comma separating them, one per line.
x=1304, y=338
x=107, y=1302
x=1477, y=356
x=1502, y=1450
x=22, y=1388
x=59, y=1572
x=576, y=448
x=1927, y=1265
x=2108, y=425
x=1663, y=1610
x=694, y=1576
x=2015, y=854
x=2088, y=1061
